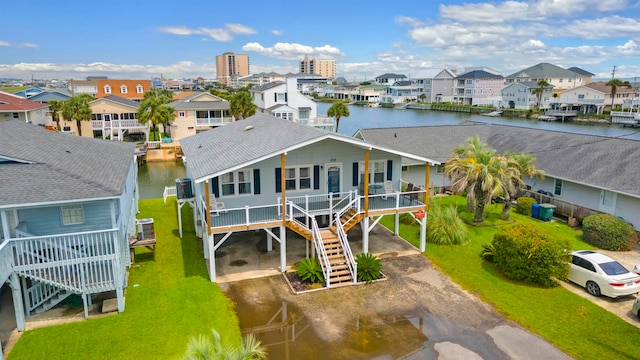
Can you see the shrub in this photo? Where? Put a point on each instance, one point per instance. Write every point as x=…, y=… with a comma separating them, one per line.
x=526, y=253
x=444, y=226
x=608, y=232
x=368, y=267
x=310, y=270
x=523, y=205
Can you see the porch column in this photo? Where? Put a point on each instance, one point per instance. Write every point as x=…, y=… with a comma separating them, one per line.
x=427, y=175
x=283, y=187
x=283, y=248
x=120, y=297
x=18, y=305
x=365, y=234
x=212, y=257
x=423, y=234
x=5, y=225
x=396, y=224
x=365, y=186
x=269, y=243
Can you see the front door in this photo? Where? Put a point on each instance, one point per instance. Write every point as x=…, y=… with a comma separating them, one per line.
x=333, y=172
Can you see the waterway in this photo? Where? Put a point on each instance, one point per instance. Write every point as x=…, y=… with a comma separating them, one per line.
x=154, y=176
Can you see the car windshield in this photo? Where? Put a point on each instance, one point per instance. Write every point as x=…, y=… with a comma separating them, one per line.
x=613, y=268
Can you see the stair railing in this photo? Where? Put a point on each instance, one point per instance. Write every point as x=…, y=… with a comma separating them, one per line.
x=346, y=250
x=353, y=204
x=40, y=293
x=295, y=212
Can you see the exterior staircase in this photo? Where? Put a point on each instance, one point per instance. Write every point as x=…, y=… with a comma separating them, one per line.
x=350, y=219
x=300, y=229
x=338, y=261
x=42, y=297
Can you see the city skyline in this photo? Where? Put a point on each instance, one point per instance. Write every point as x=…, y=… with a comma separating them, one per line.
x=119, y=39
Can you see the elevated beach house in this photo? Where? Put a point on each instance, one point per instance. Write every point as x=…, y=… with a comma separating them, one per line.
x=585, y=174
x=67, y=211
x=271, y=174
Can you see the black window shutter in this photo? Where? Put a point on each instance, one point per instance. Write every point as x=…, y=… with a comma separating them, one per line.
x=316, y=177
x=275, y=97
x=355, y=174
x=278, y=180
x=215, y=187
x=389, y=169
x=285, y=97
x=256, y=181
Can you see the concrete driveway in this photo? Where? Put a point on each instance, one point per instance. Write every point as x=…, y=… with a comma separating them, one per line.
x=620, y=306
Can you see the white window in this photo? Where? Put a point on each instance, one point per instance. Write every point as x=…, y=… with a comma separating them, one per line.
x=377, y=171
x=561, y=80
x=72, y=214
x=181, y=114
x=282, y=97
x=304, y=114
x=107, y=89
x=139, y=89
x=298, y=178
x=123, y=89
x=439, y=169
x=16, y=115
x=236, y=183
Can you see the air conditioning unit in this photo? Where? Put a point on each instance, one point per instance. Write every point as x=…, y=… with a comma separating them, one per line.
x=145, y=229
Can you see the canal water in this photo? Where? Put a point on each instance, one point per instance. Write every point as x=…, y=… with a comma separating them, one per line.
x=154, y=176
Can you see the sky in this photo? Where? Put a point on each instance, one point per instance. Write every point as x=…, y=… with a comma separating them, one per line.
x=65, y=39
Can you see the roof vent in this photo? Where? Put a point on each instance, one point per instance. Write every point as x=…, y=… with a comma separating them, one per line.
x=248, y=127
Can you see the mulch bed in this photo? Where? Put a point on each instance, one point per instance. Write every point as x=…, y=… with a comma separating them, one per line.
x=297, y=284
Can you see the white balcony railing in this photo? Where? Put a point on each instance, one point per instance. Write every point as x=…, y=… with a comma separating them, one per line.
x=213, y=121
x=117, y=124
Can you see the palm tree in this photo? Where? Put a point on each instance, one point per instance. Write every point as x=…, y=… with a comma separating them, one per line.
x=542, y=84
x=475, y=169
x=56, y=107
x=615, y=84
x=524, y=163
x=77, y=108
x=154, y=108
x=241, y=105
x=202, y=348
x=422, y=97
x=338, y=110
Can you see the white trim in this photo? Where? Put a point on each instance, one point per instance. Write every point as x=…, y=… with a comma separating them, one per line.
x=326, y=175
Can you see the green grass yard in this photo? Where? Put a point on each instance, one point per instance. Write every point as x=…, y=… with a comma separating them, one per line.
x=167, y=302
x=573, y=324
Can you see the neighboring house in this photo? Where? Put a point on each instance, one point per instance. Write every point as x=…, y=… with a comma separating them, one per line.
x=587, y=77
x=560, y=78
x=479, y=87
x=583, y=170
x=13, y=107
x=128, y=89
x=198, y=112
x=283, y=100
x=83, y=87
x=27, y=93
x=400, y=92
x=277, y=174
x=113, y=117
x=67, y=211
x=258, y=79
x=586, y=99
x=389, y=79
x=520, y=95
x=372, y=93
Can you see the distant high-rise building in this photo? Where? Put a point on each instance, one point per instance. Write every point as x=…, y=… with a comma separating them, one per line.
x=324, y=68
x=230, y=65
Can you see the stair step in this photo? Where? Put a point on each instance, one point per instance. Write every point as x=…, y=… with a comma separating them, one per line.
x=339, y=279
x=336, y=257
x=338, y=267
x=338, y=273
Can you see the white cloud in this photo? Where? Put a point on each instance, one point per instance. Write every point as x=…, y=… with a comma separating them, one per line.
x=4, y=43
x=485, y=12
x=293, y=51
x=276, y=32
x=29, y=45
x=223, y=34
x=603, y=28
x=408, y=20
x=573, y=8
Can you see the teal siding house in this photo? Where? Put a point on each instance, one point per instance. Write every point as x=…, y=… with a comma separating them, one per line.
x=67, y=211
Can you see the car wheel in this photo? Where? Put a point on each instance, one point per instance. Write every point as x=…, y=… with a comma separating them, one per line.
x=593, y=288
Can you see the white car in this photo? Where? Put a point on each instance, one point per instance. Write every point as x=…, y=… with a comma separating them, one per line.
x=601, y=275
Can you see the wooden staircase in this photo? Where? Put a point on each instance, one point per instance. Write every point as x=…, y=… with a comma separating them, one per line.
x=349, y=220
x=339, y=268
x=299, y=229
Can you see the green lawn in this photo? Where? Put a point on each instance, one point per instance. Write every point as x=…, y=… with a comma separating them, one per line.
x=572, y=323
x=167, y=302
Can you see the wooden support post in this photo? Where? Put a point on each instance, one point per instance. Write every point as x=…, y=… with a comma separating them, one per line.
x=207, y=214
x=85, y=305
x=212, y=257
x=365, y=234
x=269, y=243
x=423, y=234
x=427, y=175
x=120, y=297
x=396, y=224
x=18, y=305
x=366, y=184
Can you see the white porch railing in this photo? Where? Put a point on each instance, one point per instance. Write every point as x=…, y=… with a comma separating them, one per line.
x=346, y=248
x=214, y=121
x=41, y=294
x=117, y=124
x=322, y=252
x=245, y=216
x=6, y=258
x=93, y=266
x=168, y=191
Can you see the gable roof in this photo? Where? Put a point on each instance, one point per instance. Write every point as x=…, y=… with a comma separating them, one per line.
x=580, y=71
x=119, y=100
x=391, y=76
x=585, y=159
x=10, y=102
x=251, y=140
x=543, y=71
x=50, y=94
x=606, y=89
x=267, y=86
x=189, y=102
x=41, y=166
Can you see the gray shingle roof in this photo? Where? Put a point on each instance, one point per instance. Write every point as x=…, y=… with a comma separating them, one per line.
x=580, y=71
x=249, y=141
x=479, y=74
x=587, y=159
x=46, y=167
x=266, y=86
x=543, y=71
x=188, y=104
x=120, y=100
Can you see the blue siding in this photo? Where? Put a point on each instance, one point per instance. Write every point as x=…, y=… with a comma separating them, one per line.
x=48, y=220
